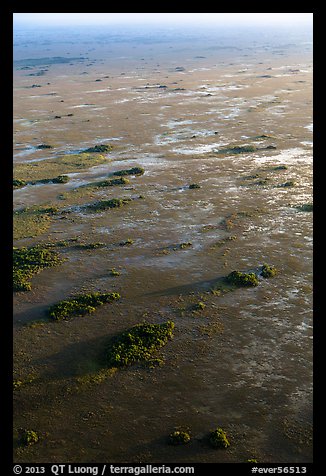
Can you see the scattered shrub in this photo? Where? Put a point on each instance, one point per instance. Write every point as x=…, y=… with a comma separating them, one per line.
x=89, y=246
x=114, y=272
x=102, y=148
x=185, y=245
x=29, y=437
x=128, y=242
x=112, y=182
x=305, y=207
x=105, y=204
x=19, y=183
x=199, y=306
x=289, y=183
x=61, y=179
x=44, y=146
x=194, y=185
x=132, y=171
x=237, y=278
x=218, y=439
x=179, y=437
x=80, y=305
x=138, y=343
x=242, y=149
x=268, y=271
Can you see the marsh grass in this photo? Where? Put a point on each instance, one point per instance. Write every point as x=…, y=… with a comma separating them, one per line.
x=56, y=167
x=29, y=261
x=32, y=221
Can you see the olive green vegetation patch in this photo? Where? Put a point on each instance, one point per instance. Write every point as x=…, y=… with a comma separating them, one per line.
x=132, y=171
x=218, y=439
x=80, y=305
x=138, y=344
x=241, y=149
x=179, y=437
x=268, y=271
x=105, y=204
x=29, y=261
x=56, y=167
x=237, y=278
x=102, y=148
x=32, y=221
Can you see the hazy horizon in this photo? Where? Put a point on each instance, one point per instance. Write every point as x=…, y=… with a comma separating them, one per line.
x=164, y=19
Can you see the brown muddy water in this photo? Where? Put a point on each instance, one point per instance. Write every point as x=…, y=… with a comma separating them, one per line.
x=244, y=362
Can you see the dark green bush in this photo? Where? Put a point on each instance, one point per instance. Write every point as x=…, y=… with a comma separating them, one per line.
x=241, y=149
x=19, y=183
x=194, y=185
x=218, y=439
x=29, y=437
x=237, y=278
x=105, y=204
x=138, y=343
x=102, y=148
x=132, y=171
x=61, y=179
x=112, y=182
x=179, y=437
x=268, y=271
x=80, y=305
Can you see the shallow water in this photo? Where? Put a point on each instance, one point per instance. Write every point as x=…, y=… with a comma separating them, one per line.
x=243, y=363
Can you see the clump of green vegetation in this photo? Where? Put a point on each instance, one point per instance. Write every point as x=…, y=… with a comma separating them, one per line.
x=132, y=171
x=264, y=136
x=112, y=182
x=58, y=179
x=280, y=167
x=90, y=246
x=29, y=261
x=241, y=149
x=44, y=146
x=185, y=245
x=268, y=271
x=19, y=183
x=289, y=183
x=223, y=242
x=263, y=181
x=128, y=242
x=199, y=306
x=179, y=437
x=17, y=384
x=237, y=278
x=305, y=207
x=102, y=148
x=138, y=344
x=252, y=460
x=29, y=437
x=218, y=439
x=61, y=179
x=105, y=204
x=80, y=305
x=114, y=272
x=194, y=185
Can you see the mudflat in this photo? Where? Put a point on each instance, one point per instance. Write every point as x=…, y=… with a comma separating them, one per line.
x=152, y=167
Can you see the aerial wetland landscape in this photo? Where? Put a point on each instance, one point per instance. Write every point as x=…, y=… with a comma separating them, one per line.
x=162, y=245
